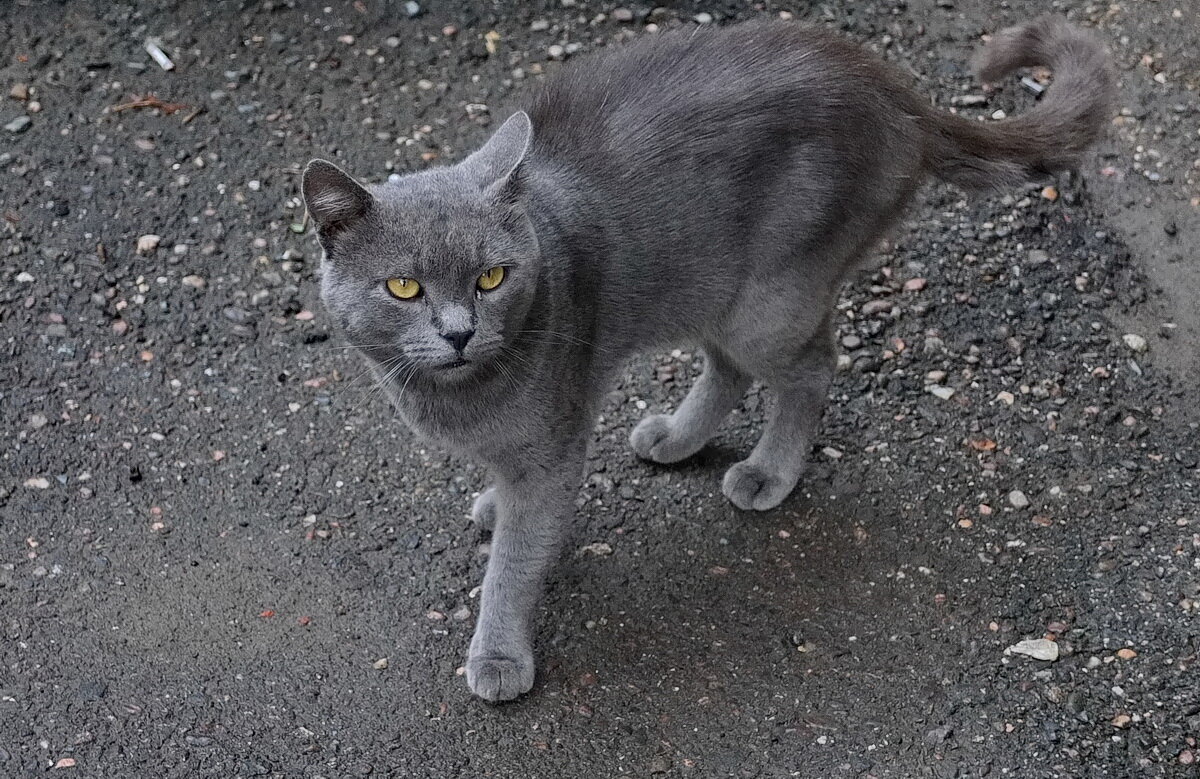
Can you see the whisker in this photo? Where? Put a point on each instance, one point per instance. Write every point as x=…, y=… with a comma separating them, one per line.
x=343, y=347
x=392, y=369
x=516, y=355
x=370, y=370
x=566, y=336
x=400, y=397
x=506, y=371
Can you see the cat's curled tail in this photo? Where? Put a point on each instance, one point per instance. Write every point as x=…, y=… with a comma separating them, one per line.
x=1047, y=138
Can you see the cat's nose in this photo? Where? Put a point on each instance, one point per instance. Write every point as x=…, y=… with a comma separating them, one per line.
x=459, y=339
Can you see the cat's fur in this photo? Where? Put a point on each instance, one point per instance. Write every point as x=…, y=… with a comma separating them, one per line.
x=703, y=187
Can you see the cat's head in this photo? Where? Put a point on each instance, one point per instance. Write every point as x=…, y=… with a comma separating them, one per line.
x=431, y=273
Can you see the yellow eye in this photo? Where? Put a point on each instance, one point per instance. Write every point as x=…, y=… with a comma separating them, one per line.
x=491, y=278
x=405, y=289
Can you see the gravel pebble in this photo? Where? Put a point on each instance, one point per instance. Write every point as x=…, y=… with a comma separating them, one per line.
x=1134, y=342
x=1037, y=648
x=18, y=125
x=940, y=391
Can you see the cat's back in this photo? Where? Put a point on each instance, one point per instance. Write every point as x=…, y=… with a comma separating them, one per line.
x=771, y=76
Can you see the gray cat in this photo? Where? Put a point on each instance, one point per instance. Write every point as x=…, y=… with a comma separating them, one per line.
x=706, y=187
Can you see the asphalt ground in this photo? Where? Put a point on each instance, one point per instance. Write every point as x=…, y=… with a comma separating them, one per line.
x=221, y=555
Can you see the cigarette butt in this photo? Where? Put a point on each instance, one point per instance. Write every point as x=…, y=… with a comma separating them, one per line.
x=158, y=55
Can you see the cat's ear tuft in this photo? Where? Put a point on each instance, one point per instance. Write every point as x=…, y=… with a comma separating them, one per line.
x=333, y=198
x=493, y=165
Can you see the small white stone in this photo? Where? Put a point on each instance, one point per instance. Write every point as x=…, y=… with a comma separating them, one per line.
x=1017, y=499
x=25, y=277
x=1135, y=342
x=703, y=18
x=38, y=483
x=831, y=453
x=600, y=549
x=148, y=243
x=1007, y=398
x=1037, y=648
x=945, y=393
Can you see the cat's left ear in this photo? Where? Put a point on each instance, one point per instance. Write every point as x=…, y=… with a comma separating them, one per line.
x=496, y=166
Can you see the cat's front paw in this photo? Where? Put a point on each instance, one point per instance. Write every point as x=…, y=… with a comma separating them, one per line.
x=500, y=676
x=750, y=486
x=656, y=439
x=484, y=510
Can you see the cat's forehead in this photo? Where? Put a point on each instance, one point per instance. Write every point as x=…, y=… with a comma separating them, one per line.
x=428, y=222
x=437, y=202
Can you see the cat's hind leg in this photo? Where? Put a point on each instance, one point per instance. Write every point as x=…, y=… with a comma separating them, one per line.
x=800, y=386
x=669, y=438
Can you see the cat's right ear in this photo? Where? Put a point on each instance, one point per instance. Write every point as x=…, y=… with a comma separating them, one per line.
x=333, y=198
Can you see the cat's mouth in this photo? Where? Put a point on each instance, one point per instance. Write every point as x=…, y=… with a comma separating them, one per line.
x=454, y=364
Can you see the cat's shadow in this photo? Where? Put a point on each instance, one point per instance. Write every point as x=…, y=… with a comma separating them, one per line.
x=713, y=599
